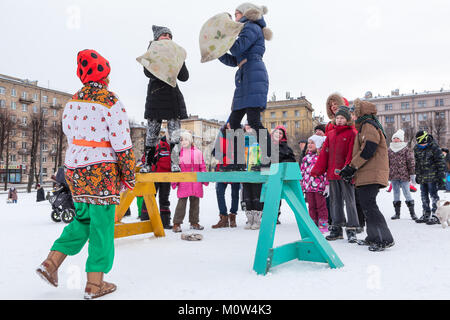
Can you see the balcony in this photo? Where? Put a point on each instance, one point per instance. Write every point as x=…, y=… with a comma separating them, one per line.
x=55, y=106
x=26, y=100
x=24, y=152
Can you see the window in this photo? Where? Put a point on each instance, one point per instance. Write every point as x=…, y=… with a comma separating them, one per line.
x=422, y=117
x=388, y=107
x=12, y=158
x=2, y=104
x=284, y=114
x=2, y=90
x=272, y=115
x=13, y=93
x=405, y=105
x=44, y=99
x=35, y=97
x=297, y=124
x=273, y=125
x=13, y=105
x=24, y=145
x=44, y=110
x=54, y=101
x=44, y=160
x=440, y=115
x=421, y=104
x=297, y=113
x=24, y=95
x=55, y=124
x=44, y=147
x=390, y=119
x=54, y=159
x=35, y=109
x=406, y=117
x=24, y=134
x=45, y=123
x=13, y=118
x=285, y=124
x=24, y=107
x=439, y=102
x=24, y=159
x=55, y=113
x=24, y=120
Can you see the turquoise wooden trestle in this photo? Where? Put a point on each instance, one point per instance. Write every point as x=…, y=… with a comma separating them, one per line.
x=282, y=181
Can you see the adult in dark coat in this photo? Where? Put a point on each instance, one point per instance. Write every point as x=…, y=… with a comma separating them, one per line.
x=40, y=194
x=251, y=80
x=163, y=103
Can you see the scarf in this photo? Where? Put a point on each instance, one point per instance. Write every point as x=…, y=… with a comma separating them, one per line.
x=366, y=117
x=398, y=146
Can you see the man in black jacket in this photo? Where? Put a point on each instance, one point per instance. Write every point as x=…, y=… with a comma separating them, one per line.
x=164, y=103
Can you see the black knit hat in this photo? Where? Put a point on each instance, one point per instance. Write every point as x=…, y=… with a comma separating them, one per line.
x=320, y=127
x=345, y=112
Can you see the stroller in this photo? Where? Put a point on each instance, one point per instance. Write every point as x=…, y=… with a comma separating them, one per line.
x=61, y=199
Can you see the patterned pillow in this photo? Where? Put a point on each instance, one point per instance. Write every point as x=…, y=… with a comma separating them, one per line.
x=217, y=36
x=164, y=59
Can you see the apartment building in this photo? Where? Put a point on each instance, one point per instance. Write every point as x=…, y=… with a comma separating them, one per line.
x=21, y=100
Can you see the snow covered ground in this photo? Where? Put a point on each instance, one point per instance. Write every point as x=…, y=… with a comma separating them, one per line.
x=220, y=266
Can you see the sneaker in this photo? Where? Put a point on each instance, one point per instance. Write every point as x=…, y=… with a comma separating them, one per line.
x=335, y=234
x=196, y=226
x=176, y=228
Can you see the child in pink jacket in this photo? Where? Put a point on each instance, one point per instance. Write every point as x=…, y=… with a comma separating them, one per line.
x=315, y=187
x=191, y=160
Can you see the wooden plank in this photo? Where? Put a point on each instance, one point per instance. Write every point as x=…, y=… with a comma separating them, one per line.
x=241, y=177
x=123, y=230
x=166, y=177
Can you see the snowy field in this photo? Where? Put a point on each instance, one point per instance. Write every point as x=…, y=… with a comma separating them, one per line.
x=220, y=266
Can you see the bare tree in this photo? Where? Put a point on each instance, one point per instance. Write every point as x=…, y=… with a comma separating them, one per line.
x=36, y=129
x=437, y=127
x=57, y=138
x=7, y=125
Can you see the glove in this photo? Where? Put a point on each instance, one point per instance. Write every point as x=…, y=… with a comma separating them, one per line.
x=326, y=192
x=347, y=173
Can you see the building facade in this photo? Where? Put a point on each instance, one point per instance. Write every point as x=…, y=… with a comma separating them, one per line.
x=22, y=101
x=415, y=111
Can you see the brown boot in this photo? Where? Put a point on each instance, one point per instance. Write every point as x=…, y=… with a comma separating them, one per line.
x=232, y=217
x=48, y=270
x=96, y=287
x=223, y=222
x=176, y=228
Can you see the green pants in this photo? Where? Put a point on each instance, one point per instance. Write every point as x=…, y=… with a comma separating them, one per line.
x=140, y=201
x=96, y=224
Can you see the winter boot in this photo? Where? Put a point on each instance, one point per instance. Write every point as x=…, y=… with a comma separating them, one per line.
x=176, y=227
x=223, y=222
x=351, y=235
x=48, y=270
x=96, y=287
x=232, y=217
x=250, y=218
x=410, y=205
x=257, y=215
x=335, y=234
x=323, y=226
x=397, y=207
x=433, y=220
x=196, y=226
x=149, y=158
x=424, y=218
x=165, y=218
x=175, y=157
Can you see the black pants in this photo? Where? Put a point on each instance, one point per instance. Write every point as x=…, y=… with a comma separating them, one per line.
x=377, y=228
x=254, y=121
x=361, y=218
x=252, y=196
x=163, y=190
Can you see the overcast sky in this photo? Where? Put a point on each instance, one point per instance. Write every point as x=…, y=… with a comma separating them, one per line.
x=319, y=47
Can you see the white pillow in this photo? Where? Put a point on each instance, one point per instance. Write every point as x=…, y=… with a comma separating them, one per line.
x=217, y=36
x=164, y=59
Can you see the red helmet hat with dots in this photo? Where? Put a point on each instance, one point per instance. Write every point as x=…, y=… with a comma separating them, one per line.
x=92, y=67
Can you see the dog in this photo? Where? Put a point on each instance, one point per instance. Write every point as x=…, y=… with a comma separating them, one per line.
x=443, y=213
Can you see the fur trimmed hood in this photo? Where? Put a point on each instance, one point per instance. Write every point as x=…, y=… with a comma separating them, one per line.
x=364, y=108
x=255, y=14
x=335, y=97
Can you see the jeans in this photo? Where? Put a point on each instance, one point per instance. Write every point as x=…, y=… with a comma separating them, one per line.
x=404, y=185
x=377, y=228
x=429, y=190
x=340, y=192
x=220, y=193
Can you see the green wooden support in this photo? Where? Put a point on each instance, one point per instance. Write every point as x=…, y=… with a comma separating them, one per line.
x=284, y=183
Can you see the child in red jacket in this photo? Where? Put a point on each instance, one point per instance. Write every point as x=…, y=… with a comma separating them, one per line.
x=336, y=154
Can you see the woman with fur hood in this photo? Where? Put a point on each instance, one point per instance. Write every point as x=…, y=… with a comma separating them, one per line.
x=401, y=172
x=251, y=80
x=369, y=169
x=334, y=101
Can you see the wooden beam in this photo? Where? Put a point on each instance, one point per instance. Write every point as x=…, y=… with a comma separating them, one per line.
x=123, y=230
